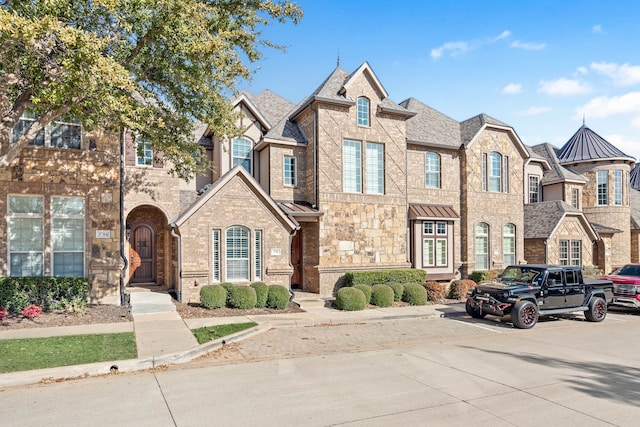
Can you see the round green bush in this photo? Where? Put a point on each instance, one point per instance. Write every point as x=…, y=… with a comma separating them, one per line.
x=382, y=295
x=213, y=296
x=278, y=297
x=242, y=297
x=398, y=290
x=228, y=286
x=414, y=294
x=350, y=299
x=458, y=288
x=262, y=292
x=366, y=290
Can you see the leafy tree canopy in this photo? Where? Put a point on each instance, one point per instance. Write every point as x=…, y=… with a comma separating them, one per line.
x=155, y=67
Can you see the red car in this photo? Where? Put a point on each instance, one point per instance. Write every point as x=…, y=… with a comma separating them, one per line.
x=626, y=285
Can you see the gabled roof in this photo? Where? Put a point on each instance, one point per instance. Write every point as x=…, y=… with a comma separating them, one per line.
x=365, y=67
x=431, y=127
x=470, y=127
x=557, y=173
x=586, y=145
x=247, y=99
x=544, y=218
x=253, y=185
x=272, y=106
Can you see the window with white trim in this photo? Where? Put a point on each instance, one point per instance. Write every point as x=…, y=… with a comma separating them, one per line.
x=495, y=172
x=237, y=251
x=26, y=235
x=509, y=244
x=570, y=252
x=289, y=171
x=575, y=198
x=602, y=182
x=258, y=254
x=242, y=153
x=215, y=274
x=67, y=236
x=60, y=133
x=434, y=244
x=144, y=152
x=352, y=165
x=617, y=188
x=534, y=189
x=482, y=246
x=363, y=111
x=374, y=155
x=432, y=170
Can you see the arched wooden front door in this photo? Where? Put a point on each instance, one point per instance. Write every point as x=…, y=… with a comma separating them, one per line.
x=142, y=254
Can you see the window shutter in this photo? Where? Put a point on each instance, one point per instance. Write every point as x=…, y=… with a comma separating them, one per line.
x=505, y=174
x=157, y=159
x=484, y=172
x=129, y=149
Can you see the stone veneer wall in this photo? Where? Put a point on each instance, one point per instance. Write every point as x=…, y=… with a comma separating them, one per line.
x=570, y=229
x=535, y=251
x=92, y=173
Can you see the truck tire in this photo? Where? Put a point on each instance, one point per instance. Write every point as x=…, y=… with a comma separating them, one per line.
x=524, y=314
x=597, y=310
x=473, y=311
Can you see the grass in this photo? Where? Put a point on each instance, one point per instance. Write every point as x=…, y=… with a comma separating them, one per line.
x=37, y=353
x=209, y=333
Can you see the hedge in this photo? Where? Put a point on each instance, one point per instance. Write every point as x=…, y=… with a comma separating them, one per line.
x=50, y=293
x=242, y=297
x=374, y=277
x=398, y=290
x=414, y=294
x=213, y=296
x=278, y=297
x=382, y=295
x=350, y=299
x=366, y=290
x=262, y=292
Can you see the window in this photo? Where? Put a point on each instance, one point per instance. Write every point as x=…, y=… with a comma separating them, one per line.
x=570, y=252
x=289, y=171
x=575, y=198
x=216, y=256
x=26, y=231
x=432, y=170
x=363, y=111
x=375, y=168
x=60, y=133
x=495, y=173
x=144, y=152
x=352, y=167
x=482, y=246
x=534, y=189
x=509, y=244
x=237, y=250
x=258, y=255
x=563, y=252
x=242, y=153
x=67, y=236
x=602, y=179
x=434, y=244
x=617, y=188
x=576, y=252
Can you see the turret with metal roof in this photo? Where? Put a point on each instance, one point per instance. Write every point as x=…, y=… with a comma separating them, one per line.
x=586, y=146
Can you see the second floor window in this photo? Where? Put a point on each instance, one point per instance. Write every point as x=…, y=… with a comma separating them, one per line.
x=575, y=198
x=144, y=153
x=495, y=173
x=432, y=170
x=534, y=189
x=602, y=180
x=363, y=111
x=242, y=153
x=617, y=188
x=289, y=171
x=352, y=165
x=60, y=133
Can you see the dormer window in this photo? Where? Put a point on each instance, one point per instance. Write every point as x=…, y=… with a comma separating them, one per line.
x=363, y=111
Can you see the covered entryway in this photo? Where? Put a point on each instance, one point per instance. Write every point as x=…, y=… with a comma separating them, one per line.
x=142, y=254
x=150, y=246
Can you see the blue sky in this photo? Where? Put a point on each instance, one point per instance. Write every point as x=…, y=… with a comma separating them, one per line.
x=539, y=66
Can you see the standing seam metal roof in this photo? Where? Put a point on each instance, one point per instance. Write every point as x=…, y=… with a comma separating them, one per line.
x=587, y=145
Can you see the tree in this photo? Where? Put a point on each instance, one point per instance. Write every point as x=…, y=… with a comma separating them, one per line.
x=155, y=67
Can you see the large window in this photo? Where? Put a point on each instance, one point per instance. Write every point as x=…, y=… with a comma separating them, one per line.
x=26, y=236
x=434, y=244
x=363, y=111
x=495, y=172
x=60, y=133
x=237, y=250
x=509, y=244
x=617, y=188
x=289, y=172
x=242, y=153
x=602, y=180
x=67, y=235
x=482, y=246
x=352, y=174
x=534, y=189
x=432, y=170
x=144, y=152
x=570, y=252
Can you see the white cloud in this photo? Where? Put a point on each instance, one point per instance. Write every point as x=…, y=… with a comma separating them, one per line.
x=604, y=106
x=563, y=87
x=582, y=70
x=533, y=111
x=622, y=75
x=512, y=89
x=502, y=35
x=528, y=46
x=596, y=29
x=624, y=144
x=455, y=48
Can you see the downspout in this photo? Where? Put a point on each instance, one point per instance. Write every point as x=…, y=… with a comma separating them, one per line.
x=179, y=260
x=315, y=157
x=125, y=264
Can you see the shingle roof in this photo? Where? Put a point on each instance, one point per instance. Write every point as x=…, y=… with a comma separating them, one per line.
x=470, y=127
x=558, y=173
x=543, y=218
x=634, y=201
x=605, y=229
x=431, y=127
x=635, y=177
x=586, y=145
x=273, y=107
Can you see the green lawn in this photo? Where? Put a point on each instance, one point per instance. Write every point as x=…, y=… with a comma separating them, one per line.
x=37, y=353
x=209, y=333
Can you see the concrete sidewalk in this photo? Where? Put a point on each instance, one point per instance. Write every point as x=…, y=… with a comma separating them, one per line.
x=163, y=337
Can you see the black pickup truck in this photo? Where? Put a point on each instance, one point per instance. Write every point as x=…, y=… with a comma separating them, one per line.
x=527, y=291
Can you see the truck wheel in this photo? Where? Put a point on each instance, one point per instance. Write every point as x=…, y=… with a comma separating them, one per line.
x=524, y=315
x=597, y=310
x=473, y=311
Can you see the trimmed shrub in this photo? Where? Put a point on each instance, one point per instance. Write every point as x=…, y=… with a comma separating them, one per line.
x=55, y=293
x=398, y=290
x=350, y=299
x=435, y=291
x=366, y=290
x=278, y=297
x=414, y=294
x=242, y=297
x=382, y=295
x=458, y=288
x=374, y=277
x=262, y=292
x=213, y=296
x=483, y=276
x=227, y=286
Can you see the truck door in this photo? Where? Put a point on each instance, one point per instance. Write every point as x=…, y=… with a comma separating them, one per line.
x=553, y=290
x=574, y=288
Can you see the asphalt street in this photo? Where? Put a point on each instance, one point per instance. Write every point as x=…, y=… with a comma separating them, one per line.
x=450, y=371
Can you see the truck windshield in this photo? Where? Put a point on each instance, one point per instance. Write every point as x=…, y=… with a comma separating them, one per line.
x=519, y=274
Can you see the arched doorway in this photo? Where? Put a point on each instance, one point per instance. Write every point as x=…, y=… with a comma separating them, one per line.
x=142, y=254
